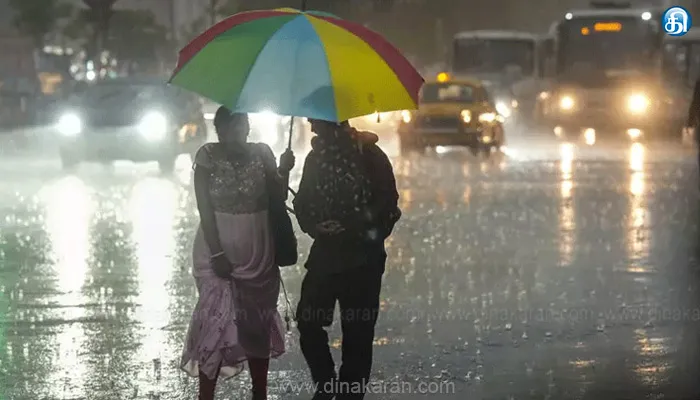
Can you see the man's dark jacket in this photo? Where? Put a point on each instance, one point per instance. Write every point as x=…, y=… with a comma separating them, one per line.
x=362, y=241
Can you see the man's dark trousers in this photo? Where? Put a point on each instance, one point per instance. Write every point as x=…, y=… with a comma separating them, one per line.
x=357, y=291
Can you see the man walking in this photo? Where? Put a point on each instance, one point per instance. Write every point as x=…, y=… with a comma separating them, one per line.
x=348, y=203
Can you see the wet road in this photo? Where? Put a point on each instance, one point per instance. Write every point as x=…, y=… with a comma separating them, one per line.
x=548, y=272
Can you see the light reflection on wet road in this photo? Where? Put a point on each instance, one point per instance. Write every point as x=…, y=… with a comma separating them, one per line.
x=553, y=271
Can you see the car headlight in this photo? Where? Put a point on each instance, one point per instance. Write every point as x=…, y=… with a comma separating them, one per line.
x=406, y=116
x=466, y=116
x=638, y=103
x=487, y=117
x=566, y=103
x=70, y=125
x=154, y=126
x=503, y=109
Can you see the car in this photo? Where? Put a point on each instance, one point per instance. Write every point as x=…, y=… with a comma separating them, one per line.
x=453, y=112
x=131, y=119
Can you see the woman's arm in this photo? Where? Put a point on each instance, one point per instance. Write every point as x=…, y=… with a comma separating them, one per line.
x=202, y=173
x=206, y=210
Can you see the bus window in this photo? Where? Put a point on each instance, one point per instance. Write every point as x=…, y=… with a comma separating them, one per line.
x=591, y=43
x=482, y=55
x=545, y=58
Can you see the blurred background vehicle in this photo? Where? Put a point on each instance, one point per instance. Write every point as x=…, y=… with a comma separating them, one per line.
x=507, y=62
x=609, y=78
x=130, y=119
x=453, y=112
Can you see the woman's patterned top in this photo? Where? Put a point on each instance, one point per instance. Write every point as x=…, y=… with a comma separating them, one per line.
x=237, y=183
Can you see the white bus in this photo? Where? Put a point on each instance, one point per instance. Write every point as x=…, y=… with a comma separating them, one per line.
x=608, y=74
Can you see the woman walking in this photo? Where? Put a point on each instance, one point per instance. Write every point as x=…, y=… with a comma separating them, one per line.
x=235, y=319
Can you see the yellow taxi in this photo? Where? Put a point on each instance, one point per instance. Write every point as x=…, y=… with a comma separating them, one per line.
x=453, y=112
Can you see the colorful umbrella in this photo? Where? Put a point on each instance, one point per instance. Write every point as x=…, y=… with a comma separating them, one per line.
x=304, y=64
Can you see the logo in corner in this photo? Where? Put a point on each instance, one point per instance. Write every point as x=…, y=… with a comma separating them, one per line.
x=676, y=21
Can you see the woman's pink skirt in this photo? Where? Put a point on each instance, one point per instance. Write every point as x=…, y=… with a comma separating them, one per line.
x=235, y=319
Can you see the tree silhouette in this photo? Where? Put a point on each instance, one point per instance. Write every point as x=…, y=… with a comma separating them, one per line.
x=99, y=14
x=134, y=35
x=37, y=18
x=216, y=10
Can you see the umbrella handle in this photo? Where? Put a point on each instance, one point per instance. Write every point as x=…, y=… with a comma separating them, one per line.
x=289, y=148
x=291, y=128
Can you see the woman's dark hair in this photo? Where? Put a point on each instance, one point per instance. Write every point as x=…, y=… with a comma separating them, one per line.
x=222, y=119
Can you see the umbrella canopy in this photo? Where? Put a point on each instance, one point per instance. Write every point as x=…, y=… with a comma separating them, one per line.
x=305, y=64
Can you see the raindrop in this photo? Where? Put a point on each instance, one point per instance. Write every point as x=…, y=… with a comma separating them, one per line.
x=509, y=327
x=548, y=334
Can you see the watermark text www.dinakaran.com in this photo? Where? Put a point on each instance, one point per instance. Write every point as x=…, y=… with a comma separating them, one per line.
x=376, y=387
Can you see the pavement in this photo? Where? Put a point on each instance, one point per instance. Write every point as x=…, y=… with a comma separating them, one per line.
x=548, y=271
